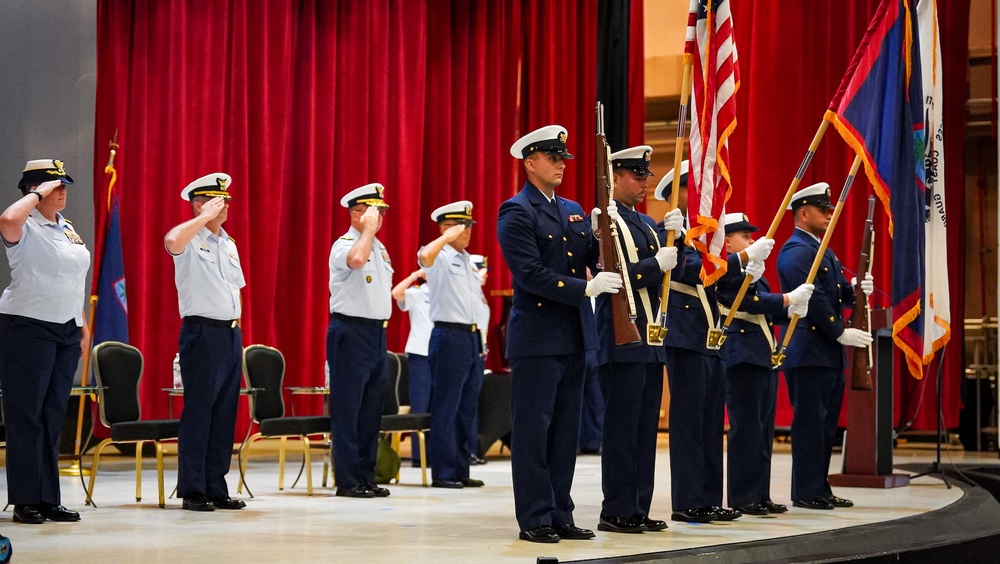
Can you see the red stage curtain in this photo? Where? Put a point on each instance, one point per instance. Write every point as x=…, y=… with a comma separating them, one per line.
x=301, y=101
x=792, y=58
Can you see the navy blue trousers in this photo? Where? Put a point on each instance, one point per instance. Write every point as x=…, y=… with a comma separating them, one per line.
x=358, y=376
x=420, y=394
x=454, y=359
x=37, y=363
x=631, y=418
x=816, y=395
x=592, y=411
x=751, y=395
x=211, y=367
x=469, y=414
x=546, y=393
x=697, y=413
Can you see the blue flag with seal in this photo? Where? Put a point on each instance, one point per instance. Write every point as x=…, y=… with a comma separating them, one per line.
x=111, y=317
x=878, y=110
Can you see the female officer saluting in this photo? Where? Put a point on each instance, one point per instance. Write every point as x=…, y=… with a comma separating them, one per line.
x=42, y=332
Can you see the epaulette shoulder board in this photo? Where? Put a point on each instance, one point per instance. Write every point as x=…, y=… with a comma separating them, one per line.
x=67, y=221
x=231, y=239
x=347, y=238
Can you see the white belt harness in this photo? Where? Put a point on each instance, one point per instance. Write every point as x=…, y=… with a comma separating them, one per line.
x=758, y=318
x=633, y=257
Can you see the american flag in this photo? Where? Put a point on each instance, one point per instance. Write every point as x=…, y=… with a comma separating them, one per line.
x=715, y=78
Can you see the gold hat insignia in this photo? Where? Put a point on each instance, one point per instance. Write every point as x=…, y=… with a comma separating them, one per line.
x=562, y=136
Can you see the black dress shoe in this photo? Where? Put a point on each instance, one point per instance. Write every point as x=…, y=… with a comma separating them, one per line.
x=697, y=515
x=775, y=507
x=360, y=490
x=572, y=532
x=620, y=524
x=470, y=483
x=543, y=533
x=590, y=451
x=654, y=524
x=197, y=504
x=228, y=503
x=452, y=484
x=753, y=509
x=839, y=501
x=476, y=460
x=814, y=503
x=57, y=513
x=28, y=514
x=379, y=491
x=723, y=514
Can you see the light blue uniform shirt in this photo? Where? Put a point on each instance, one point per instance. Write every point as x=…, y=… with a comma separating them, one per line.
x=366, y=292
x=416, y=301
x=455, y=287
x=209, y=276
x=48, y=270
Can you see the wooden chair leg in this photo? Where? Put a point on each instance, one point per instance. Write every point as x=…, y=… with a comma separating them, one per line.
x=423, y=458
x=308, y=463
x=397, y=438
x=242, y=457
x=281, y=464
x=159, y=472
x=93, y=471
x=138, y=471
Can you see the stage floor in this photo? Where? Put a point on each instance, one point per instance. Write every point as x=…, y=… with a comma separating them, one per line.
x=414, y=524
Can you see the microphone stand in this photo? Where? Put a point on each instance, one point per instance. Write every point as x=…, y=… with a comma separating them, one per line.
x=936, y=470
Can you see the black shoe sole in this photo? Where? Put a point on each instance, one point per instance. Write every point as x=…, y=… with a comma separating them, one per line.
x=628, y=531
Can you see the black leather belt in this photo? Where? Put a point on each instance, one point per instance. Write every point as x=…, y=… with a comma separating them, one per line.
x=227, y=323
x=361, y=320
x=459, y=326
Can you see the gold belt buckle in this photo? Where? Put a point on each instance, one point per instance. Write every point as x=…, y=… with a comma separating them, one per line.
x=385, y=323
x=233, y=326
x=474, y=328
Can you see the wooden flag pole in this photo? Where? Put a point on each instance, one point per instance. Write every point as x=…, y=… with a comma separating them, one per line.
x=778, y=356
x=719, y=334
x=657, y=330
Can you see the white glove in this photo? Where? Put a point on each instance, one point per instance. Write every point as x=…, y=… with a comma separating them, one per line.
x=867, y=285
x=594, y=214
x=800, y=296
x=755, y=269
x=604, y=283
x=799, y=310
x=666, y=257
x=759, y=250
x=855, y=338
x=613, y=211
x=674, y=220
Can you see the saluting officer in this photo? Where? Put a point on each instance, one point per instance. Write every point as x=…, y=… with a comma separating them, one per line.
x=455, y=292
x=632, y=376
x=814, y=367
x=695, y=375
x=414, y=299
x=751, y=383
x=468, y=416
x=208, y=277
x=360, y=306
x=42, y=331
x=548, y=246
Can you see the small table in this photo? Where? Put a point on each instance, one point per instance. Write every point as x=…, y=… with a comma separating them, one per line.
x=309, y=390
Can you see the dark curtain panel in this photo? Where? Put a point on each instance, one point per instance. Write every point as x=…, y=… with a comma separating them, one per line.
x=613, y=66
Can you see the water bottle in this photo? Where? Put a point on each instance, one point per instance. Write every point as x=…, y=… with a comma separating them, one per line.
x=178, y=383
x=326, y=368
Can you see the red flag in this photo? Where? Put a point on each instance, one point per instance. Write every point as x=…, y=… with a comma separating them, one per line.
x=716, y=78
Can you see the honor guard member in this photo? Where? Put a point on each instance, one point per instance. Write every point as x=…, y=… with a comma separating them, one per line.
x=208, y=276
x=414, y=299
x=751, y=383
x=455, y=291
x=814, y=366
x=548, y=245
x=360, y=305
x=695, y=375
x=469, y=416
x=42, y=331
x=632, y=376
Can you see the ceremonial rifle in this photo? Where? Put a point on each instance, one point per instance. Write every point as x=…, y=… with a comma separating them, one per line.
x=612, y=259
x=861, y=365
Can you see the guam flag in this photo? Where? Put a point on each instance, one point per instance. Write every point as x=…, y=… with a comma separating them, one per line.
x=111, y=318
x=878, y=110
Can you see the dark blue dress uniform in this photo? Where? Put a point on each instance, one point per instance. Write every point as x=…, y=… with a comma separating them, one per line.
x=814, y=367
x=632, y=381
x=751, y=388
x=548, y=247
x=695, y=375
